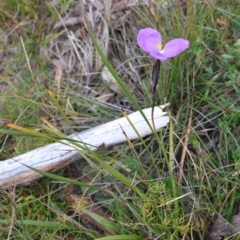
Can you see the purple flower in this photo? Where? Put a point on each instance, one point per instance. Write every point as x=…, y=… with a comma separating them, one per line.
x=150, y=41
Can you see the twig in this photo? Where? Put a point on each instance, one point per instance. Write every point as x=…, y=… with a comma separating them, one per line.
x=51, y=157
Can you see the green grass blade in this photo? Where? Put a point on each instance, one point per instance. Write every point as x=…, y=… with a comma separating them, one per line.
x=59, y=178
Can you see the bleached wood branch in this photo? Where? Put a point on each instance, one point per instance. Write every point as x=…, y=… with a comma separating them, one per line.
x=57, y=155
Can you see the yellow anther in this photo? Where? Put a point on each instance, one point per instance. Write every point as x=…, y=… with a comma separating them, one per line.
x=159, y=46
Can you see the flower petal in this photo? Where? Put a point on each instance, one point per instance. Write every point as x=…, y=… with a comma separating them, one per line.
x=148, y=38
x=174, y=47
x=158, y=55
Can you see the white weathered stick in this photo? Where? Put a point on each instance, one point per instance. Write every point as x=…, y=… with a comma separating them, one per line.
x=57, y=155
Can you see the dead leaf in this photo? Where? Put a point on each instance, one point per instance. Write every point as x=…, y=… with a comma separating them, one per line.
x=108, y=79
x=222, y=22
x=235, y=221
x=222, y=229
x=59, y=63
x=219, y=229
x=105, y=95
